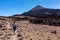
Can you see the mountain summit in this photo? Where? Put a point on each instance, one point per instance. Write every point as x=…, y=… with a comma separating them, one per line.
x=41, y=12
x=37, y=8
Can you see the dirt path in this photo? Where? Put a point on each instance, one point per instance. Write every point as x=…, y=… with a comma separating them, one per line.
x=14, y=37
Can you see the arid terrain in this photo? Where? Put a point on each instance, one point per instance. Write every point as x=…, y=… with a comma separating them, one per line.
x=37, y=24
x=27, y=31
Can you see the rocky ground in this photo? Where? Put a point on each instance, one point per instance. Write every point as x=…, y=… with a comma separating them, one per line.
x=28, y=31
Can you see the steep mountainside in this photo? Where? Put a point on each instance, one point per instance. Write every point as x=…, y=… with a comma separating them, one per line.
x=42, y=12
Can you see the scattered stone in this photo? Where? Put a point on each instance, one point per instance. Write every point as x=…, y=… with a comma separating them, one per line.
x=48, y=39
x=37, y=33
x=39, y=39
x=30, y=39
x=8, y=37
x=21, y=39
x=54, y=32
x=0, y=26
x=19, y=35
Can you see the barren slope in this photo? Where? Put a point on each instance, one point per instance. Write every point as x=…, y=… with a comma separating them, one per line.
x=29, y=31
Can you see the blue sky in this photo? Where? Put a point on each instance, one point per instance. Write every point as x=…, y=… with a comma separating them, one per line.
x=11, y=7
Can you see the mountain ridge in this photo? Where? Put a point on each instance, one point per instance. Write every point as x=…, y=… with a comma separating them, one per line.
x=42, y=12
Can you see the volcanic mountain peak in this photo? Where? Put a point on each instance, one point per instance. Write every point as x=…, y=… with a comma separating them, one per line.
x=37, y=7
